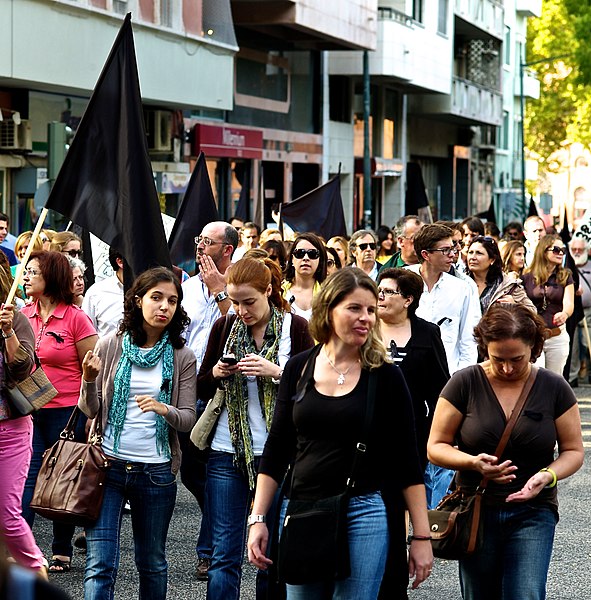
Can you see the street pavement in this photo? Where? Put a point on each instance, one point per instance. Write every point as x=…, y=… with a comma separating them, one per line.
x=569, y=577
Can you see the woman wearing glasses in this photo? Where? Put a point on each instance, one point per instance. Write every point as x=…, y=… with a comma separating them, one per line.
x=245, y=356
x=67, y=242
x=305, y=271
x=333, y=263
x=486, y=269
x=412, y=343
x=63, y=335
x=551, y=288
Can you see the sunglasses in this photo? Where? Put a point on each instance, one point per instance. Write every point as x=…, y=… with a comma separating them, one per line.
x=73, y=253
x=557, y=250
x=312, y=253
x=367, y=245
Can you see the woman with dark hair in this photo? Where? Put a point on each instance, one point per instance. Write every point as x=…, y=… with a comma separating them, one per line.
x=333, y=261
x=486, y=268
x=551, y=288
x=513, y=255
x=63, y=335
x=305, y=271
x=321, y=429
x=415, y=346
x=520, y=509
x=276, y=251
x=385, y=244
x=245, y=357
x=142, y=378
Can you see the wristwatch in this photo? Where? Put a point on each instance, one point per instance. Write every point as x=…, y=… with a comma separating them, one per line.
x=252, y=519
x=221, y=296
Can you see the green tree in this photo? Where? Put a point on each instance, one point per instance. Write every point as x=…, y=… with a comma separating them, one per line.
x=563, y=111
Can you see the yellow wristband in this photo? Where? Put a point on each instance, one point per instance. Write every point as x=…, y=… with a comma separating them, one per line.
x=554, y=478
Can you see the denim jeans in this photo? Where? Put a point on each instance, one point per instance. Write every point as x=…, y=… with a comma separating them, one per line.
x=513, y=562
x=48, y=423
x=228, y=504
x=368, y=548
x=151, y=490
x=437, y=482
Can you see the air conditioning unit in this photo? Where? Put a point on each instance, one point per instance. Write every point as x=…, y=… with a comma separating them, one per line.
x=15, y=137
x=159, y=130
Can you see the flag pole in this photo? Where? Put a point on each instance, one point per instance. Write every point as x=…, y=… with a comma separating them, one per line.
x=21, y=266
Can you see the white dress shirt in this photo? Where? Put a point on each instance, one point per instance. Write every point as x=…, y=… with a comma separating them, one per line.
x=103, y=303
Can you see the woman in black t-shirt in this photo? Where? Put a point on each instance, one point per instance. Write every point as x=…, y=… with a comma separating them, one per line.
x=520, y=508
x=322, y=428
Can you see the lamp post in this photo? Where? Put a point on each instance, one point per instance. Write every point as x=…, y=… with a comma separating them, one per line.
x=522, y=67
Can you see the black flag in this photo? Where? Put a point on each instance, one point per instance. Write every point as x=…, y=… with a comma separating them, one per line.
x=565, y=235
x=196, y=211
x=489, y=214
x=319, y=211
x=106, y=183
x=533, y=209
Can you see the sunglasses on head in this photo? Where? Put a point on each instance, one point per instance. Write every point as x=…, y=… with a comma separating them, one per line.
x=556, y=250
x=312, y=253
x=367, y=245
x=73, y=253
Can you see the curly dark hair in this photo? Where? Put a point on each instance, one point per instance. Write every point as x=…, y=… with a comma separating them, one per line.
x=505, y=321
x=320, y=274
x=133, y=319
x=57, y=274
x=495, y=271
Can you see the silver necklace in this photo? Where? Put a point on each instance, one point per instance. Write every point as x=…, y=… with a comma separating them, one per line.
x=342, y=374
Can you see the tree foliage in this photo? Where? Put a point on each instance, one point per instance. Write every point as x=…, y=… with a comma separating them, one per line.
x=563, y=111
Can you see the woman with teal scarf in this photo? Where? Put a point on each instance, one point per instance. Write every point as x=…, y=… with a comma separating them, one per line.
x=261, y=337
x=142, y=379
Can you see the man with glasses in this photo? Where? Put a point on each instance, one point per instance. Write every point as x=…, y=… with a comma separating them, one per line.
x=448, y=302
x=405, y=230
x=205, y=300
x=363, y=249
x=533, y=231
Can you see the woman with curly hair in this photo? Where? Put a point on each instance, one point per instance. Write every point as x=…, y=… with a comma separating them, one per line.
x=143, y=380
x=551, y=288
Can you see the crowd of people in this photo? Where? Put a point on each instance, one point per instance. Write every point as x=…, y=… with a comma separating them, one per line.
x=449, y=320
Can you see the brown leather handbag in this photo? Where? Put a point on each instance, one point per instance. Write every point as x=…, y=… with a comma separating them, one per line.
x=70, y=484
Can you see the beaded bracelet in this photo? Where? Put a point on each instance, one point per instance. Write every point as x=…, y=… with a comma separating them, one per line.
x=554, y=478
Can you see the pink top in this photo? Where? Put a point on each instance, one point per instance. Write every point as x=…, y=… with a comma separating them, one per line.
x=55, y=345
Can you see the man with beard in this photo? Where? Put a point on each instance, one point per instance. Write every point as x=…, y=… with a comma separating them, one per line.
x=205, y=300
x=579, y=251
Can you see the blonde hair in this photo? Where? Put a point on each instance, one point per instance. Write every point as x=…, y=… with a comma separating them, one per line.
x=541, y=268
x=334, y=291
x=24, y=237
x=62, y=239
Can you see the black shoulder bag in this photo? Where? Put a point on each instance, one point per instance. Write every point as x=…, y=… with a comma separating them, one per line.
x=314, y=544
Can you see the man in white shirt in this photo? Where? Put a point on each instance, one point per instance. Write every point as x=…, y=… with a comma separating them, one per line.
x=103, y=301
x=249, y=236
x=533, y=231
x=363, y=250
x=448, y=302
x=205, y=300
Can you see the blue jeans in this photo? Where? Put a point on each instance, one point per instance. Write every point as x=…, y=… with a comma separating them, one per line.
x=228, y=500
x=151, y=490
x=437, y=482
x=368, y=548
x=513, y=562
x=48, y=423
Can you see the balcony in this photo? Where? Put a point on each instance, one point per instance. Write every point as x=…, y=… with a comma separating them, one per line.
x=406, y=52
x=306, y=24
x=531, y=85
x=529, y=8
x=468, y=104
x=479, y=18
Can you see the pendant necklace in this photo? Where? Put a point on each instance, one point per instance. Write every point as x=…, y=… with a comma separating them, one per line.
x=342, y=374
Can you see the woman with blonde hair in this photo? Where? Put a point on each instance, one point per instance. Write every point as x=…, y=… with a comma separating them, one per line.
x=67, y=242
x=551, y=288
x=341, y=245
x=321, y=425
x=245, y=357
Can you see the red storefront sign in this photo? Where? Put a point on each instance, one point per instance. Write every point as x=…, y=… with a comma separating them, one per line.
x=227, y=141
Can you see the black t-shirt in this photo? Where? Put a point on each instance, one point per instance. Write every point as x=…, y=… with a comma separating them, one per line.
x=532, y=441
x=323, y=430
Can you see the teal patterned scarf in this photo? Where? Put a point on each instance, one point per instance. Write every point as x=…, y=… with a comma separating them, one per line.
x=240, y=343
x=132, y=355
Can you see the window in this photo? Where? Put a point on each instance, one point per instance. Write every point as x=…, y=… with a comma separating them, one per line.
x=507, y=44
x=417, y=10
x=504, y=133
x=340, y=98
x=442, y=17
x=166, y=13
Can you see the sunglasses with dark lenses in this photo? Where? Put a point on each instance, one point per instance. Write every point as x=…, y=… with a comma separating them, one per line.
x=367, y=245
x=312, y=253
x=74, y=253
x=556, y=250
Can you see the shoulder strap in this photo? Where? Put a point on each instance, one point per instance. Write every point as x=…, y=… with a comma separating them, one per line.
x=514, y=416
